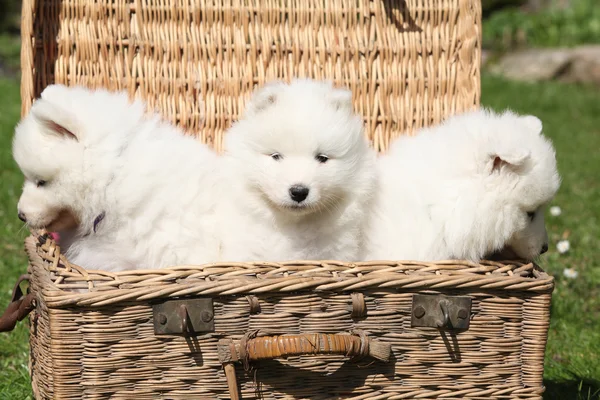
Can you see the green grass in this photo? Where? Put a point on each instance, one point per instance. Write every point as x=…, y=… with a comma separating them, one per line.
x=552, y=27
x=571, y=117
x=14, y=382
x=10, y=49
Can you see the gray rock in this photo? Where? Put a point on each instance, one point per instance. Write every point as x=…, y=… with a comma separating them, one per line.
x=578, y=65
x=539, y=5
x=534, y=64
x=584, y=66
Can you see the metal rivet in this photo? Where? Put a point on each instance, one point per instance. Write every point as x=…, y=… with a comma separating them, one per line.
x=162, y=319
x=462, y=313
x=206, y=316
x=419, y=312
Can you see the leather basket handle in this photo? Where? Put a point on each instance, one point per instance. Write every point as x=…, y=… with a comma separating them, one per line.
x=251, y=348
x=19, y=307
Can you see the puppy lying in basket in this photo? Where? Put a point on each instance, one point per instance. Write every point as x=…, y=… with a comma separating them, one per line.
x=129, y=192
x=475, y=186
x=123, y=190
x=304, y=175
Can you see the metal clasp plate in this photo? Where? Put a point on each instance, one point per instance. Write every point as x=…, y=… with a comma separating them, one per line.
x=187, y=317
x=439, y=311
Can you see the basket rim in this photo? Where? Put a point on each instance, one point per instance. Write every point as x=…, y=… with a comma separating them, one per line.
x=64, y=283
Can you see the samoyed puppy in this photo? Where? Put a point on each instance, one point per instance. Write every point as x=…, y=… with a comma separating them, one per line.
x=302, y=174
x=475, y=185
x=126, y=190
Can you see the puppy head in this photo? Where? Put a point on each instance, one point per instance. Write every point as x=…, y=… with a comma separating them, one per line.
x=531, y=239
x=522, y=173
x=300, y=146
x=49, y=152
x=65, y=147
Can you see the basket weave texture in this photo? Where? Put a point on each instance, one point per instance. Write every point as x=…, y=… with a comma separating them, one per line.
x=101, y=343
x=409, y=63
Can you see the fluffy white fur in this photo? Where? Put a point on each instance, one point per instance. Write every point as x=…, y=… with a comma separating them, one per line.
x=463, y=190
x=302, y=134
x=128, y=190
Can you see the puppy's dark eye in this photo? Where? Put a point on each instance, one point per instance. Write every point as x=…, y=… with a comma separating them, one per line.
x=40, y=183
x=531, y=215
x=322, y=158
x=276, y=156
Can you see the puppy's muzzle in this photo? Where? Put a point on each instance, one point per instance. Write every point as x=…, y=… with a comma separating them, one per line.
x=22, y=217
x=544, y=248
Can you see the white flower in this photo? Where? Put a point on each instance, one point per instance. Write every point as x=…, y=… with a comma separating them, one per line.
x=563, y=246
x=570, y=273
x=555, y=211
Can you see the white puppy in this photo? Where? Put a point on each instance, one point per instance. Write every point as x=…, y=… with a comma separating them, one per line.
x=303, y=173
x=472, y=186
x=129, y=191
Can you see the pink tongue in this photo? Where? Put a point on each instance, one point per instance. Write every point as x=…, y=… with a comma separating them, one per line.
x=55, y=236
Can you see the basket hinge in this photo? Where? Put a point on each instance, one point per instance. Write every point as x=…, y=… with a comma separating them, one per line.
x=439, y=311
x=188, y=317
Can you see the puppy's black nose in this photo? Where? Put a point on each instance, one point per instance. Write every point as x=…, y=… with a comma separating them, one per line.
x=22, y=217
x=298, y=193
x=544, y=248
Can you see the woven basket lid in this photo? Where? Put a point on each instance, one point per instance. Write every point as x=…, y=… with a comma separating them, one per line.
x=409, y=63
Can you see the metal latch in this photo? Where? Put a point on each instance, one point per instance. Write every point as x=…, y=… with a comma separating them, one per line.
x=188, y=317
x=439, y=311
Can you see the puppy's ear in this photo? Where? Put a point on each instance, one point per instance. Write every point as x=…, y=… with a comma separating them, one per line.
x=54, y=120
x=532, y=123
x=512, y=160
x=264, y=97
x=58, y=129
x=342, y=99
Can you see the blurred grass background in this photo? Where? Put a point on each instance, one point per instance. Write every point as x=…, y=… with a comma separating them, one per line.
x=541, y=23
x=571, y=116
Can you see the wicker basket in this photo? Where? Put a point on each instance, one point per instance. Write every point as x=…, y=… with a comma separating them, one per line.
x=378, y=330
x=104, y=343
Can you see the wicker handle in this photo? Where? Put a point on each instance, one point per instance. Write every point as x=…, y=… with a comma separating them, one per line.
x=251, y=348
x=19, y=307
x=269, y=347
